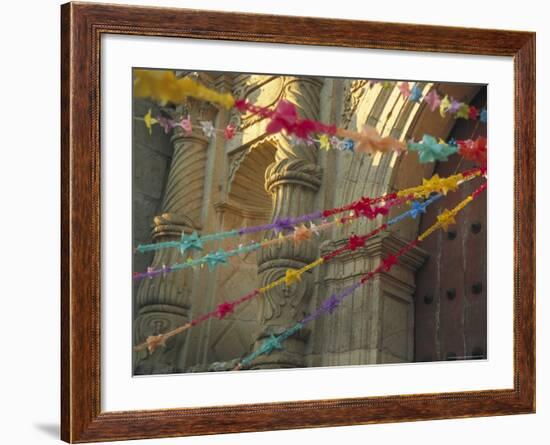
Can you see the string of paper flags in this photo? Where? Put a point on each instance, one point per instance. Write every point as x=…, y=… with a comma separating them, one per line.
x=295, y=226
x=298, y=234
x=329, y=305
x=293, y=275
x=185, y=123
x=164, y=87
x=368, y=140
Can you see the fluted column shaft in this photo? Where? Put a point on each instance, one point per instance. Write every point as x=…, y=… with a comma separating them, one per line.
x=293, y=181
x=163, y=302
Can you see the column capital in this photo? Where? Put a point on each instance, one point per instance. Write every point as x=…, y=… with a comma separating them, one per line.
x=171, y=225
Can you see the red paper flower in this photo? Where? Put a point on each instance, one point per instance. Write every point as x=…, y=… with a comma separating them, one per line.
x=474, y=150
x=473, y=113
x=362, y=207
x=229, y=132
x=355, y=242
x=285, y=117
x=224, y=309
x=389, y=262
x=241, y=105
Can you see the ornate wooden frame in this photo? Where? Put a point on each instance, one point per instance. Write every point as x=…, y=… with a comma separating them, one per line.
x=81, y=27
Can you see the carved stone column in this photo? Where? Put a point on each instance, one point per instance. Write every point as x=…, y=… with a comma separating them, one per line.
x=163, y=303
x=293, y=180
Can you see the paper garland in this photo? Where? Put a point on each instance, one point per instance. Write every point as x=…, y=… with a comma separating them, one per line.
x=362, y=207
x=164, y=87
x=297, y=235
x=436, y=102
x=291, y=276
x=168, y=124
x=367, y=141
x=329, y=305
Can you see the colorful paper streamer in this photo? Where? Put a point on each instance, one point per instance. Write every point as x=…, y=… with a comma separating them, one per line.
x=164, y=87
x=330, y=304
x=291, y=276
x=364, y=206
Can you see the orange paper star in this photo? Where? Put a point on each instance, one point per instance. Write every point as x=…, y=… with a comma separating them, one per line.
x=154, y=341
x=301, y=233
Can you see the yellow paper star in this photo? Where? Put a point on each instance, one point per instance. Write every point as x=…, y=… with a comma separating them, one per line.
x=444, y=105
x=324, y=142
x=292, y=276
x=431, y=185
x=446, y=219
x=149, y=121
x=450, y=183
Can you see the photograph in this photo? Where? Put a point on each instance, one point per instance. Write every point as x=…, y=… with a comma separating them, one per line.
x=275, y=223
x=296, y=221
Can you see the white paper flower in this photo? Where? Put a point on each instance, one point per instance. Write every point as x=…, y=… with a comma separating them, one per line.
x=208, y=129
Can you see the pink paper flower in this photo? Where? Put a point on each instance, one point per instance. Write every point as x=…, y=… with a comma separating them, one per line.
x=186, y=125
x=405, y=90
x=432, y=99
x=285, y=117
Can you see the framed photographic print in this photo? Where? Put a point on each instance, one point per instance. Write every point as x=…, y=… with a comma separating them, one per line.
x=279, y=222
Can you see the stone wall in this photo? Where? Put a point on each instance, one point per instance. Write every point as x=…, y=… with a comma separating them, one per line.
x=151, y=158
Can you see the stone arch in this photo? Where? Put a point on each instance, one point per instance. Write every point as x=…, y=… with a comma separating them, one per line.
x=246, y=183
x=382, y=311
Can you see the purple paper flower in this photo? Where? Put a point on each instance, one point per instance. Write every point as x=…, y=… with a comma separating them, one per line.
x=283, y=224
x=166, y=123
x=330, y=304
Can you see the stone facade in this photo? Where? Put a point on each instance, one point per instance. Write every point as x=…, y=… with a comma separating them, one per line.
x=184, y=183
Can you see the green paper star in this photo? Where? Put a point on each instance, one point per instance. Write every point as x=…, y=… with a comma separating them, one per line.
x=429, y=150
x=463, y=111
x=215, y=258
x=192, y=241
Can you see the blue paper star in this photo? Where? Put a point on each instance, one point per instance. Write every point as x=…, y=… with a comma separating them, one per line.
x=291, y=331
x=483, y=115
x=416, y=94
x=429, y=150
x=270, y=344
x=192, y=241
x=348, y=145
x=417, y=208
x=215, y=258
